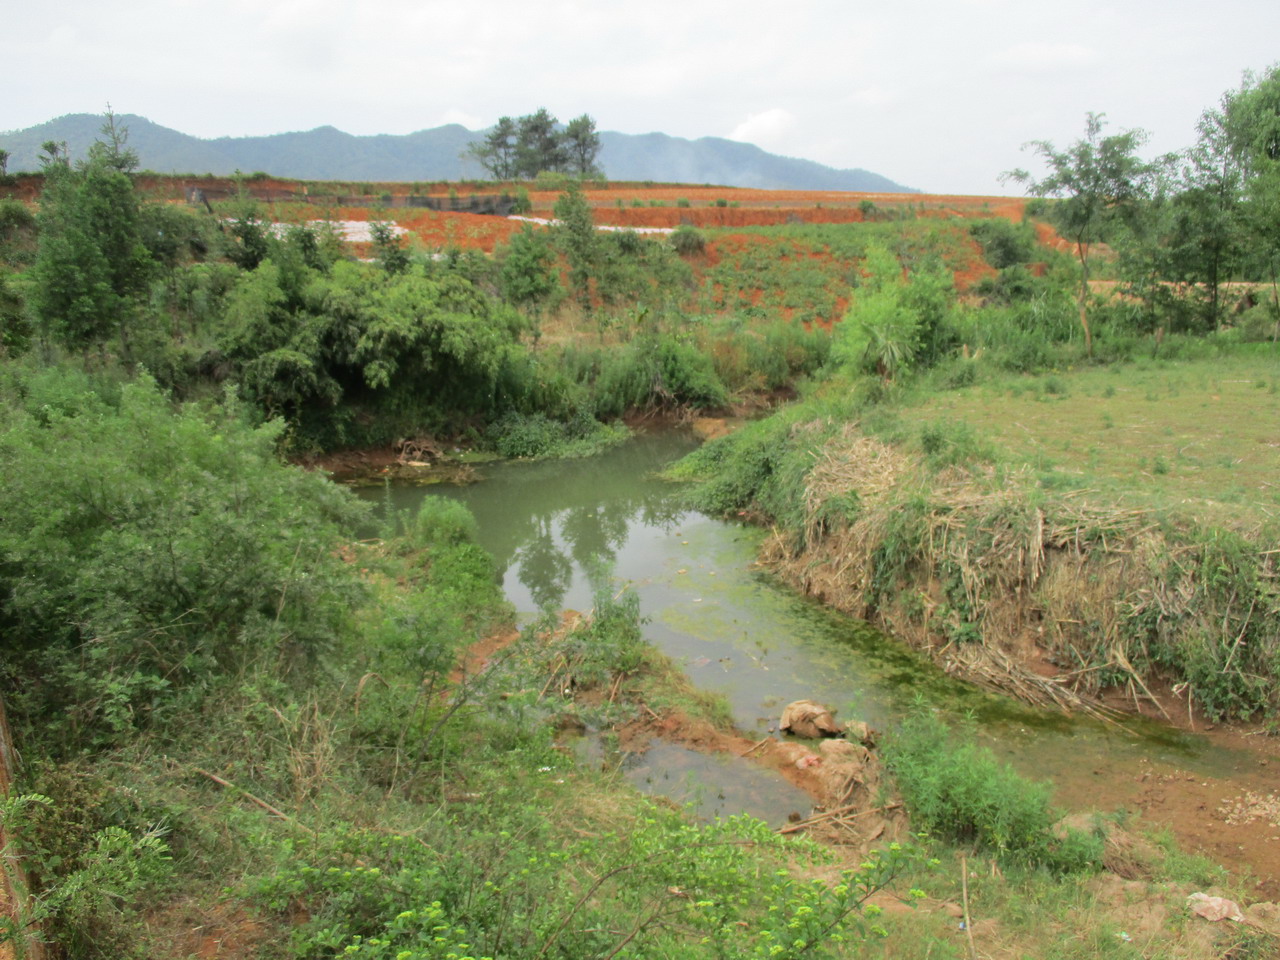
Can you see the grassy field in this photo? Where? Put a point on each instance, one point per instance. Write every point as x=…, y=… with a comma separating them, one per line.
x=1196, y=436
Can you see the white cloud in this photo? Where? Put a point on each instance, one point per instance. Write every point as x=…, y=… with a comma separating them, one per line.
x=765, y=129
x=1037, y=56
x=870, y=97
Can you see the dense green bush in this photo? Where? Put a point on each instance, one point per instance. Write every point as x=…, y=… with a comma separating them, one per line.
x=18, y=235
x=895, y=322
x=1005, y=243
x=758, y=468
x=651, y=371
x=151, y=555
x=535, y=435
x=961, y=792
x=687, y=240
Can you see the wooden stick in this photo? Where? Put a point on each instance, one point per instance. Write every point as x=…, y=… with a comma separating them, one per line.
x=964, y=896
x=1120, y=658
x=555, y=672
x=275, y=812
x=841, y=813
x=1239, y=639
x=756, y=747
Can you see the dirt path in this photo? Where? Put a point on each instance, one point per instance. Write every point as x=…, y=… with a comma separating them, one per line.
x=1233, y=819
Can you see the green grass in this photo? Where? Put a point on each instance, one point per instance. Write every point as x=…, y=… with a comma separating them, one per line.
x=1197, y=435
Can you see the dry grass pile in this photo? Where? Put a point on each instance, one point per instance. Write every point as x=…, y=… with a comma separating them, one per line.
x=1048, y=596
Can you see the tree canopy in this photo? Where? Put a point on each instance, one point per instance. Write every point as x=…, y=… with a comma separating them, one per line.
x=1097, y=179
x=92, y=262
x=523, y=147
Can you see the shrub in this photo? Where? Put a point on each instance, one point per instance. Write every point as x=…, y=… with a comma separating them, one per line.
x=538, y=436
x=960, y=791
x=687, y=241
x=441, y=521
x=91, y=904
x=686, y=376
x=181, y=550
x=17, y=233
x=1005, y=243
x=1257, y=324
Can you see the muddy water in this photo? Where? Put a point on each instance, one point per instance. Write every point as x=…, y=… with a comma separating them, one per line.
x=758, y=644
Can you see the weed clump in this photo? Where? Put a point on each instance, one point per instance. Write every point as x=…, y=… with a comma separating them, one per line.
x=961, y=792
x=688, y=241
x=537, y=436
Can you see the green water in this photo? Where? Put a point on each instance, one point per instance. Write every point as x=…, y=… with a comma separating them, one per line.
x=755, y=642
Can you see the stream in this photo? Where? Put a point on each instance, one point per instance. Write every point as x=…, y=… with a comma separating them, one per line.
x=758, y=644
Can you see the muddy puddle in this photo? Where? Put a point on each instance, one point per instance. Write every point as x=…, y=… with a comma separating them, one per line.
x=739, y=634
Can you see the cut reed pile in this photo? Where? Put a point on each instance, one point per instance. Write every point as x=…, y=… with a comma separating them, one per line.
x=1048, y=596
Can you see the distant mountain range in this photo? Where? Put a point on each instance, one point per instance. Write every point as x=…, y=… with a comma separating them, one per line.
x=327, y=153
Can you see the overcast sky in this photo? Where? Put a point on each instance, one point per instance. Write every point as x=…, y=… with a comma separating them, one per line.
x=935, y=94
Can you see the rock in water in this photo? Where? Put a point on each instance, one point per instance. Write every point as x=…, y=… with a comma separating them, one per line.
x=808, y=719
x=859, y=730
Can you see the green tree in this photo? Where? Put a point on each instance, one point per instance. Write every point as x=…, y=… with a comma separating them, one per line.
x=390, y=254
x=4, y=163
x=55, y=152
x=1251, y=124
x=582, y=144
x=497, y=151
x=576, y=236
x=91, y=264
x=248, y=237
x=112, y=149
x=539, y=144
x=527, y=277
x=1208, y=234
x=529, y=145
x=1098, y=180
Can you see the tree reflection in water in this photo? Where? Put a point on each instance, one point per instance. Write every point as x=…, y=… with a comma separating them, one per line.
x=544, y=522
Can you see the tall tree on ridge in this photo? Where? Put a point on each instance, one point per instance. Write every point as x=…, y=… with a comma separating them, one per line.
x=497, y=151
x=582, y=143
x=539, y=145
x=1097, y=178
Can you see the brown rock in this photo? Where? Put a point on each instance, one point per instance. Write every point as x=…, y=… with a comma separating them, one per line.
x=805, y=718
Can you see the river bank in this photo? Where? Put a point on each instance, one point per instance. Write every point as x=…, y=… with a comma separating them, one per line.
x=737, y=635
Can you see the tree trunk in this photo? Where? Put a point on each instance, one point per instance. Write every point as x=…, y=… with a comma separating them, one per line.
x=1275, y=302
x=1215, y=305
x=1082, y=250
